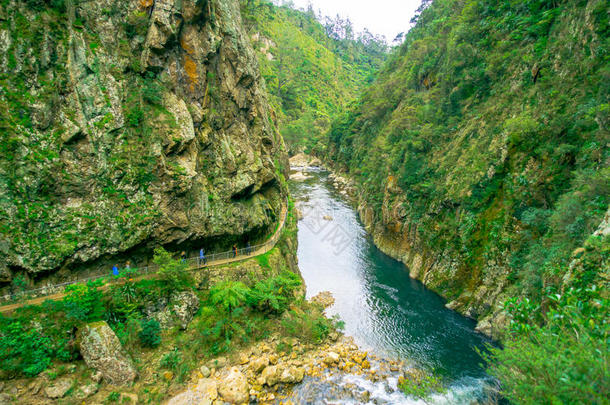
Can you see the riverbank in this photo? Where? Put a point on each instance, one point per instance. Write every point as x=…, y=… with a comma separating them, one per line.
x=271, y=371
x=384, y=310
x=396, y=236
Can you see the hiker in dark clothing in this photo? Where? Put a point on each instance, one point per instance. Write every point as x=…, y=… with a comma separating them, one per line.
x=202, y=258
x=183, y=256
x=248, y=248
x=234, y=250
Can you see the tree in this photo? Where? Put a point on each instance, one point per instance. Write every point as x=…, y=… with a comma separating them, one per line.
x=173, y=272
x=228, y=295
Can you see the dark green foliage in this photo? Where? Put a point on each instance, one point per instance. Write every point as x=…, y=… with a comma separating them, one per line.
x=150, y=334
x=307, y=328
x=488, y=129
x=112, y=397
x=24, y=350
x=562, y=358
x=84, y=301
x=137, y=24
x=171, y=360
x=172, y=272
x=490, y=132
x=274, y=294
x=58, y=5
x=228, y=295
x=422, y=386
x=152, y=90
x=35, y=336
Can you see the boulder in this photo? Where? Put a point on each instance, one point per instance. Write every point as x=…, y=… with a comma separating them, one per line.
x=103, y=352
x=233, y=386
x=179, y=311
x=292, y=375
x=325, y=299
x=86, y=391
x=331, y=358
x=270, y=375
x=205, y=371
x=204, y=393
x=259, y=364
x=59, y=388
x=184, y=305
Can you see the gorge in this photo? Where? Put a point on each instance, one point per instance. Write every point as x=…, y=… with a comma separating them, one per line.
x=141, y=140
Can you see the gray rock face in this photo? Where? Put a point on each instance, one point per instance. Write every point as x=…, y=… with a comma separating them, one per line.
x=102, y=351
x=59, y=388
x=86, y=391
x=151, y=128
x=179, y=310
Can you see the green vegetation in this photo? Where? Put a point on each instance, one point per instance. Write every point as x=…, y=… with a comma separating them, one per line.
x=274, y=294
x=150, y=334
x=232, y=313
x=487, y=131
x=557, y=350
x=313, y=71
x=421, y=386
x=36, y=336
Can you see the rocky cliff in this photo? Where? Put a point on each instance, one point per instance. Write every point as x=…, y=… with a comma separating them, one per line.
x=125, y=125
x=481, y=151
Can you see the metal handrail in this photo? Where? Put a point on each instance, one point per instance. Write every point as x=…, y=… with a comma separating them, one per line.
x=194, y=263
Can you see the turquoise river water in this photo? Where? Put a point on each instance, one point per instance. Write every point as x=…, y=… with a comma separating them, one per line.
x=386, y=311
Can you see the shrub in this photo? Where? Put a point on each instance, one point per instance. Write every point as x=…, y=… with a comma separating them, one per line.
x=421, y=386
x=560, y=359
x=84, y=301
x=171, y=360
x=152, y=90
x=127, y=332
x=150, y=334
x=24, y=349
x=112, y=397
x=229, y=295
x=274, y=294
x=172, y=273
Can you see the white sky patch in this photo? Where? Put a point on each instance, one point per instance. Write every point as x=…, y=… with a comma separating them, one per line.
x=381, y=17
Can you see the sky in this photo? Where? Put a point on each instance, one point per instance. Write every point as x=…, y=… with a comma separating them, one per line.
x=385, y=17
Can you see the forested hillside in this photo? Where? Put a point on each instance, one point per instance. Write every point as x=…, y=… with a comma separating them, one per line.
x=482, y=150
x=312, y=71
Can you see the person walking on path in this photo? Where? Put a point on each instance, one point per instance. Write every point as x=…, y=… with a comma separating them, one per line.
x=248, y=248
x=234, y=250
x=183, y=256
x=115, y=270
x=202, y=259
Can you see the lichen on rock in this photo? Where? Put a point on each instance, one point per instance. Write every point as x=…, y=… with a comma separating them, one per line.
x=102, y=351
x=129, y=126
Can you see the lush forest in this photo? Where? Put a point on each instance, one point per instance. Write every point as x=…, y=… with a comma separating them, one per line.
x=492, y=121
x=313, y=68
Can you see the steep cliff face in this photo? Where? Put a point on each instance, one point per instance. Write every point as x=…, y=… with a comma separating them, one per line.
x=129, y=124
x=481, y=151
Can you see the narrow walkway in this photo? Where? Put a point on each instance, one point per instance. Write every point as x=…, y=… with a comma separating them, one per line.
x=216, y=259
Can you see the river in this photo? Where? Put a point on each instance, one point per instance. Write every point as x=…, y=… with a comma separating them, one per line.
x=386, y=311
